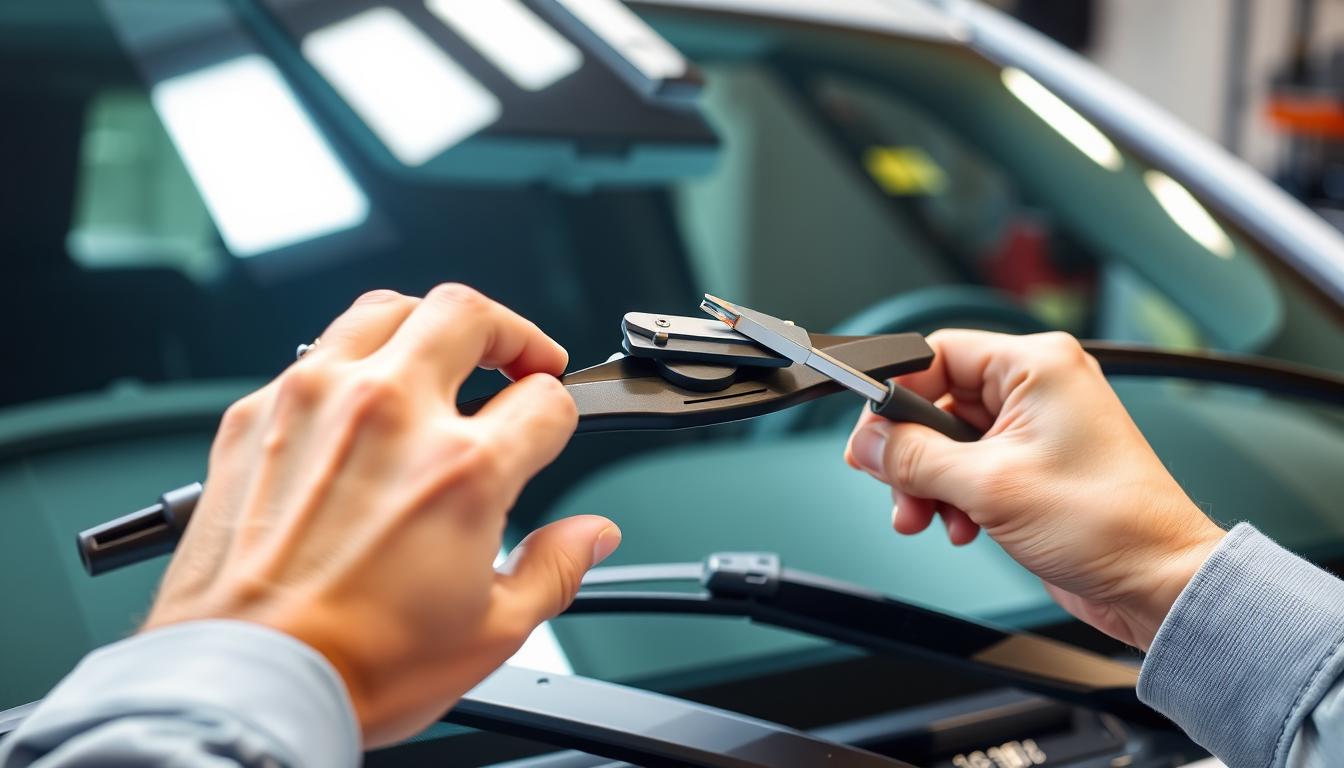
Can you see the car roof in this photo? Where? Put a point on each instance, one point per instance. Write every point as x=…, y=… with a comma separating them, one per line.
x=908, y=17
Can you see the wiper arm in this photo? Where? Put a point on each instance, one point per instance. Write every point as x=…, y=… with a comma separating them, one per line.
x=755, y=586
x=644, y=728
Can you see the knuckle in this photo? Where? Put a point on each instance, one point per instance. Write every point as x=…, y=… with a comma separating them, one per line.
x=470, y=473
x=1093, y=364
x=1062, y=348
x=940, y=335
x=235, y=424
x=377, y=400
x=379, y=296
x=301, y=386
x=456, y=293
x=377, y=386
x=484, y=471
x=238, y=416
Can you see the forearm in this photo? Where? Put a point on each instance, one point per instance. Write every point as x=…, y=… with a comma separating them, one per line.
x=1249, y=655
x=200, y=693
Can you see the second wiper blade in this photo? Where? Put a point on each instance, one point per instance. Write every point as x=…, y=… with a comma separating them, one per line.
x=756, y=586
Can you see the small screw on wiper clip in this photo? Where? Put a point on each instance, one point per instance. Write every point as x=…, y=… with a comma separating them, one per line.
x=890, y=401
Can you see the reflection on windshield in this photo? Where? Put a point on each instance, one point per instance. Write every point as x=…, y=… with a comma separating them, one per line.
x=523, y=46
x=631, y=38
x=1188, y=214
x=263, y=168
x=268, y=176
x=1064, y=119
x=413, y=95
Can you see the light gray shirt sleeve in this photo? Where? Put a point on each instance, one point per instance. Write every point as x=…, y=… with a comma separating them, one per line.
x=1249, y=660
x=205, y=693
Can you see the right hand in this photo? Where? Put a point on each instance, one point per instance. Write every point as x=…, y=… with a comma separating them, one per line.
x=1063, y=480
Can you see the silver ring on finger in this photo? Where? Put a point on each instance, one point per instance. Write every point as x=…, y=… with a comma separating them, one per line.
x=304, y=349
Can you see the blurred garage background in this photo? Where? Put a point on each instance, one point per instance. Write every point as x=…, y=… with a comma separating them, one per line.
x=1263, y=78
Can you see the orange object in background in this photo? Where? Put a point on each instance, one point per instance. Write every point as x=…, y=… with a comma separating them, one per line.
x=1320, y=115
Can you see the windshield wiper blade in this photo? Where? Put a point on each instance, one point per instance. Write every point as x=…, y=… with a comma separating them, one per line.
x=754, y=585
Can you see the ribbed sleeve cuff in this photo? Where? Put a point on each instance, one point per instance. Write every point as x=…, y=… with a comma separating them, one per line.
x=263, y=678
x=1250, y=646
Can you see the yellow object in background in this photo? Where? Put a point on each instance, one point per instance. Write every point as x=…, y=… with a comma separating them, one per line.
x=904, y=171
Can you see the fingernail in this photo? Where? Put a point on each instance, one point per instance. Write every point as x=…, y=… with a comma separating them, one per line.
x=869, y=449
x=607, y=542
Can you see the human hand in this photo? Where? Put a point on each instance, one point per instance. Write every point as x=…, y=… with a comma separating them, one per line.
x=1063, y=480
x=351, y=506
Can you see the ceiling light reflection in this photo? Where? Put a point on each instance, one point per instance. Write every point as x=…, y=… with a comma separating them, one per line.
x=1064, y=119
x=405, y=87
x=1189, y=214
x=513, y=38
x=637, y=42
x=265, y=172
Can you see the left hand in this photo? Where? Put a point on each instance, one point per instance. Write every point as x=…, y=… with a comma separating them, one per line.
x=351, y=506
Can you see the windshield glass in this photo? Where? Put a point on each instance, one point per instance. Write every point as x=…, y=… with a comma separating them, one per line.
x=853, y=182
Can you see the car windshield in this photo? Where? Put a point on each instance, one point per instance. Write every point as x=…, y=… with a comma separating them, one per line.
x=851, y=181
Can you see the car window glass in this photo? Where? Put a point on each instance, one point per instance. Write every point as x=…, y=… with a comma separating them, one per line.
x=135, y=203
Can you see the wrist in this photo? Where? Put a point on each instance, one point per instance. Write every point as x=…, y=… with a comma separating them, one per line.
x=1168, y=572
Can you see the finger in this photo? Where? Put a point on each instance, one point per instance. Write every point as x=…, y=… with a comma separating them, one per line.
x=456, y=329
x=974, y=413
x=365, y=327
x=912, y=514
x=918, y=461
x=961, y=529
x=542, y=575
x=970, y=411
x=960, y=358
x=866, y=418
x=528, y=424
x=960, y=364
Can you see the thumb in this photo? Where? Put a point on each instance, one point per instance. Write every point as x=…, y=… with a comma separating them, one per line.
x=915, y=460
x=543, y=572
